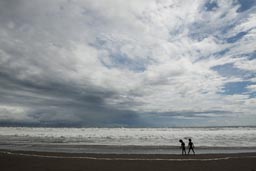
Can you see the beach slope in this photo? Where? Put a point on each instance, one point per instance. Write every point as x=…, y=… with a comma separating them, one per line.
x=44, y=161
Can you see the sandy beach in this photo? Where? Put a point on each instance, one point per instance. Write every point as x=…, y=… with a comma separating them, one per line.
x=48, y=161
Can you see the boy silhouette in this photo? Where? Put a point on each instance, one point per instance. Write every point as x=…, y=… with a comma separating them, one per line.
x=190, y=146
x=183, y=149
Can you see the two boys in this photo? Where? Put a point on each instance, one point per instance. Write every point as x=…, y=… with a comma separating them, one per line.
x=190, y=147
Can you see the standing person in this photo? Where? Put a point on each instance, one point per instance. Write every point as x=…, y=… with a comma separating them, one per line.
x=183, y=149
x=190, y=146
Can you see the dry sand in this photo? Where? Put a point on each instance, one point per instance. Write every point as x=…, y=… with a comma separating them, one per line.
x=44, y=161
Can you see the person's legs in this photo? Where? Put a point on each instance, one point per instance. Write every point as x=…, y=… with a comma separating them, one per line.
x=193, y=150
x=183, y=152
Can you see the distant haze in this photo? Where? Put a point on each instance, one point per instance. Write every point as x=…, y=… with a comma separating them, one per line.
x=136, y=63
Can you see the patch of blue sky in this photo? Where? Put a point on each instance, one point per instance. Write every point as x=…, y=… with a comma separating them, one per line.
x=232, y=88
x=252, y=95
x=248, y=56
x=221, y=53
x=200, y=31
x=252, y=56
x=217, y=55
x=245, y=5
x=199, y=34
x=229, y=70
x=227, y=27
x=237, y=37
x=118, y=59
x=211, y=5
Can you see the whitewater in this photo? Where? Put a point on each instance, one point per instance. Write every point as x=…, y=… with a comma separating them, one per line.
x=128, y=140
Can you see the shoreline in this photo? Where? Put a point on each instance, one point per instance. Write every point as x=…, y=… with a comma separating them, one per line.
x=121, y=149
x=11, y=160
x=128, y=156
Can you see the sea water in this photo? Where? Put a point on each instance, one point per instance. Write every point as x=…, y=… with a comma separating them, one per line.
x=128, y=140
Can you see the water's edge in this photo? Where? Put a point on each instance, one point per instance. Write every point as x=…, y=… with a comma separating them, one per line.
x=110, y=149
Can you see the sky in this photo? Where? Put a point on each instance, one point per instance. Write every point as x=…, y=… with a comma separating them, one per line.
x=136, y=63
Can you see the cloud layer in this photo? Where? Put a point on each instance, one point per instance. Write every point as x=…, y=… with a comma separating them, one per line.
x=135, y=64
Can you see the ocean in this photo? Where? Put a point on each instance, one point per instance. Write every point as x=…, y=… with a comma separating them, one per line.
x=128, y=140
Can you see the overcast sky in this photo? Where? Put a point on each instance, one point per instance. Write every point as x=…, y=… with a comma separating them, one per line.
x=136, y=63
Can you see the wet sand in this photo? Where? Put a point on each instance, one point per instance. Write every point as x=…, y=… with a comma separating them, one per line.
x=49, y=161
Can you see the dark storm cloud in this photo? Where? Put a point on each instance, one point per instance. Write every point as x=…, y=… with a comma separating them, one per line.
x=60, y=104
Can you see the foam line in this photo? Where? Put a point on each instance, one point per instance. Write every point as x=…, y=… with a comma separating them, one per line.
x=122, y=159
